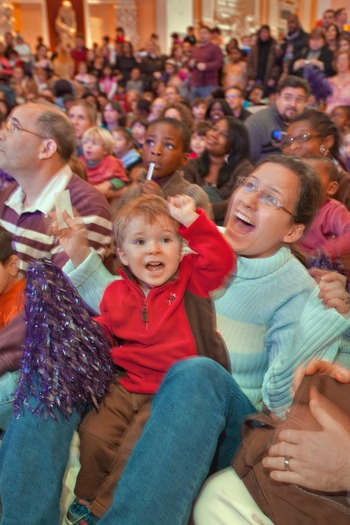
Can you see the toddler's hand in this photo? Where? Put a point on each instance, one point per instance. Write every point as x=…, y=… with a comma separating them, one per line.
x=182, y=208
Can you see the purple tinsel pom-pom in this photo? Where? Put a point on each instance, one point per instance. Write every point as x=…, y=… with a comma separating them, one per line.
x=320, y=87
x=66, y=361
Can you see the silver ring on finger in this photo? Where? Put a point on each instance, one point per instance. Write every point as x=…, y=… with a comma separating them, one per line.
x=286, y=463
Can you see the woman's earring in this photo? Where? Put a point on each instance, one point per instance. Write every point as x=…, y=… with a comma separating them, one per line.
x=323, y=150
x=226, y=158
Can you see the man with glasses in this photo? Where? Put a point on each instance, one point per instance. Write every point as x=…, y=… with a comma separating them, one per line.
x=234, y=97
x=36, y=144
x=291, y=98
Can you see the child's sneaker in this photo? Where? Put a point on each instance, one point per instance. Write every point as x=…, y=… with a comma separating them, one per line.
x=78, y=514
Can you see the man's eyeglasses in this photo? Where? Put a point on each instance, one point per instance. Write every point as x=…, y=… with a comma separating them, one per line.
x=265, y=197
x=300, y=139
x=13, y=127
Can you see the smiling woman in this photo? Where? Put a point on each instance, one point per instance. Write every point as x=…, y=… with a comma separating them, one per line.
x=224, y=159
x=313, y=133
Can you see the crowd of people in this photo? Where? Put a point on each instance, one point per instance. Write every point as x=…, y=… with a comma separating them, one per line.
x=158, y=156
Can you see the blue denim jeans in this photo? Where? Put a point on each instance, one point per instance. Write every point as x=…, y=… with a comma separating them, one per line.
x=8, y=386
x=202, y=91
x=33, y=458
x=194, y=429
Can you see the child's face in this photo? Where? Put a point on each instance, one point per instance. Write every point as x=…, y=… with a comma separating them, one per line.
x=235, y=55
x=8, y=273
x=216, y=112
x=172, y=113
x=199, y=111
x=121, y=145
x=256, y=229
x=139, y=132
x=110, y=114
x=158, y=107
x=256, y=95
x=152, y=251
x=340, y=117
x=198, y=143
x=328, y=187
x=346, y=146
x=82, y=68
x=93, y=149
x=165, y=147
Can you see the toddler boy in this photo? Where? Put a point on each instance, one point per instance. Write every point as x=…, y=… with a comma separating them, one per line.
x=146, y=313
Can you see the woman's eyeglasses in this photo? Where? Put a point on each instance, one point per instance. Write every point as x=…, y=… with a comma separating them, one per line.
x=265, y=197
x=300, y=139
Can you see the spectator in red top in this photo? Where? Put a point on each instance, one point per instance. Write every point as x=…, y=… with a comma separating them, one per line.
x=79, y=52
x=205, y=63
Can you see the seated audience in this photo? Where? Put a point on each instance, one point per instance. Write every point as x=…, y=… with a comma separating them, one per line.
x=279, y=220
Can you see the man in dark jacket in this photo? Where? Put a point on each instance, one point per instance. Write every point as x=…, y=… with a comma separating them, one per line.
x=295, y=39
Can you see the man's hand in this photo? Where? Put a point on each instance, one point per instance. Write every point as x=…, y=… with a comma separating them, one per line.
x=317, y=366
x=73, y=238
x=318, y=460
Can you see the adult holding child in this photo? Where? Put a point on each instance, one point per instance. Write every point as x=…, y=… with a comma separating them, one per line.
x=271, y=319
